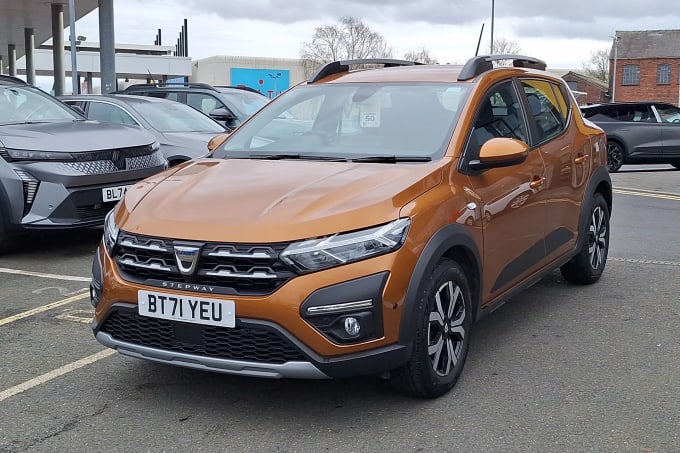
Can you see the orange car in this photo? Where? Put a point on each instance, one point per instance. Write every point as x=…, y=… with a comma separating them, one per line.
x=359, y=223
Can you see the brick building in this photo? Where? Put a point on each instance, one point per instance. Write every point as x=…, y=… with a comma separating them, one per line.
x=588, y=90
x=646, y=65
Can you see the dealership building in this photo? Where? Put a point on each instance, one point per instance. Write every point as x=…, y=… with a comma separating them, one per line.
x=269, y=76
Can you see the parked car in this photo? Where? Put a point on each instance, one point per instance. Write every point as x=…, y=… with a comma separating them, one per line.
x=182, y=132
x=58, y=170
x=360, y=245
x=230, y=105
x=638, y=132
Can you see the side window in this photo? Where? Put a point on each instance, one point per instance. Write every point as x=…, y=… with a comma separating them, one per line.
x=544, y=109
x=109, y=113
x=668, y=113
x=203, y=102
x=634, y=113
x=499, y=115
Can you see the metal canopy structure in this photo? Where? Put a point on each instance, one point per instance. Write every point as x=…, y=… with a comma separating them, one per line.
x=16, y=15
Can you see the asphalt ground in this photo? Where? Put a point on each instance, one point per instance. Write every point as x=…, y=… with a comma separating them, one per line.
x=560, y=368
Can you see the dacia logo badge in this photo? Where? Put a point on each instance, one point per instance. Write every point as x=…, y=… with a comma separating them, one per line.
x=186, y=258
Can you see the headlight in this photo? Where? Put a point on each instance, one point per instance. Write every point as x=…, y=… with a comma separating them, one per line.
x=110, y=232
x=25, y=154
x=322, y=253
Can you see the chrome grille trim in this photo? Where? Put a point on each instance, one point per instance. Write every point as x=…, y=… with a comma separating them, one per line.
x=229, y=269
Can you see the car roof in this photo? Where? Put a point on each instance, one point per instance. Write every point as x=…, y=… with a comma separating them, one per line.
x=120, y=98
x=11, y=80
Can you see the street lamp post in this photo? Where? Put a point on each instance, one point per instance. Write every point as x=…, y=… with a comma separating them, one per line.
x=276, y=78
x=613, y=78
x=492, y=17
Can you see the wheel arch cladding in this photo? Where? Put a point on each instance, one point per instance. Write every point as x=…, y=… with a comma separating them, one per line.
x=452, y=242
x=600, y=182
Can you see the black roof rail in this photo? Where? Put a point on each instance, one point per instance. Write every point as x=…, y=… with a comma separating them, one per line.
x=336, y=67
x=12, y=79
x=141, y=86
x=478, y=65
x=239, y=87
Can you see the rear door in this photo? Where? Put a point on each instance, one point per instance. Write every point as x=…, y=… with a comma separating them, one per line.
x=669, y=116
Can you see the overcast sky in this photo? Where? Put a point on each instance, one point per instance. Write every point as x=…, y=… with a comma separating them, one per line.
x=563, y=33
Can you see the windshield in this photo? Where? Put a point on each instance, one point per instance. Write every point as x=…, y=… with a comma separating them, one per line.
x=22, y=104
x=245, y=102
x=176, y=117
x=349, y=121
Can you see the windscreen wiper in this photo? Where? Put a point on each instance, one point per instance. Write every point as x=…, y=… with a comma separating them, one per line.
x=297, y=156
x=392, y=159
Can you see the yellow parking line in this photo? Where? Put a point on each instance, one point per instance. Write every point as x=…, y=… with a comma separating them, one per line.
x=43, y=378
x=639, y=193
x=35, y=311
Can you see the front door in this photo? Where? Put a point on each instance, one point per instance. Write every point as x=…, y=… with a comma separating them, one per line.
x=513, y=213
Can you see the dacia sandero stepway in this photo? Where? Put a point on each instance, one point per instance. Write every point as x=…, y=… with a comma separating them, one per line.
x=360, y=223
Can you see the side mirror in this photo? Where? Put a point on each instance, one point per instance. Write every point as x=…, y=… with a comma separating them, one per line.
x=77, y=108
x=222, y=114
x=216, y=141
x=500, y=152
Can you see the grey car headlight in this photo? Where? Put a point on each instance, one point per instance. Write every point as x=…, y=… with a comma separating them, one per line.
x=330, y=251
x=27, y=154
x=110, y=232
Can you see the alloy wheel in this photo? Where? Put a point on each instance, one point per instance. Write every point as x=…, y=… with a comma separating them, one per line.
x=614, y=157
x=597, y=237
x=446, y=329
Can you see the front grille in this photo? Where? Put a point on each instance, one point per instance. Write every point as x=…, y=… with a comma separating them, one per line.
x=243, y=269
x=95, y=212
x=238, y=343
x=114, y=160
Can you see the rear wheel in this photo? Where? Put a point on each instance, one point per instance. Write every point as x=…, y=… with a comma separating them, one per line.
x=615, y=156
x=442, y=338
x=587, y=265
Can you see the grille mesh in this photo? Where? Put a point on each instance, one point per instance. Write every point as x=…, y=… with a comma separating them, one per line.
x=106, y=162
x=239, y=343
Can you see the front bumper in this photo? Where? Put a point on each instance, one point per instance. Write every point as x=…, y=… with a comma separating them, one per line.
x=286, y=345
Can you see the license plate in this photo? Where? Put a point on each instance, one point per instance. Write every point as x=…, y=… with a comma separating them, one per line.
x=113, y=193
x=193, y=309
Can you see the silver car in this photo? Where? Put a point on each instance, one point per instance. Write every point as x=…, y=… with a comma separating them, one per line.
x=59, y=170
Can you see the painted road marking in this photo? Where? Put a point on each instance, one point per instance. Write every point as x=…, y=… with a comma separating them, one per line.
x=82, y=316
x=4, y=270
x=43, y=308
x=644, y=261
x=646, y=193
x=43, y=378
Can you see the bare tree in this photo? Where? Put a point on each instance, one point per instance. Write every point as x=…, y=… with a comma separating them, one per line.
x=422, y=55
x=598, y=65
x=503, y=46
x=347, y=40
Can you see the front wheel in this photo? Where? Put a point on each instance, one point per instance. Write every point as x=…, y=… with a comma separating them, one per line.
x=615, y=155
x=442, y=338
x=587, y=265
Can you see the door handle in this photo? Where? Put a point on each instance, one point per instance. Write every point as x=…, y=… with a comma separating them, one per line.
x=536, y=183
x=581, y=159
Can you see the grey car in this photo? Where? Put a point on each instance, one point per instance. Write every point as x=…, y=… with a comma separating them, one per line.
x=638, y=132
x=59, y=170
x=182, y=131
x=230, y=105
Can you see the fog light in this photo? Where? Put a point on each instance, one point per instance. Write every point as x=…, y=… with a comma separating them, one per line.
x=352, y=326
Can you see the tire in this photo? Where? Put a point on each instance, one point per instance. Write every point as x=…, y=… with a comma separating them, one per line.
x=615, y=156
x=587, y=265
x=676, y=166
x=6, y=239
x=442, y=339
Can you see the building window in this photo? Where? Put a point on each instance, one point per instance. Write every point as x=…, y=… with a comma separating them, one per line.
x=663, y=74
x=631, y=74
x=573, y=86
